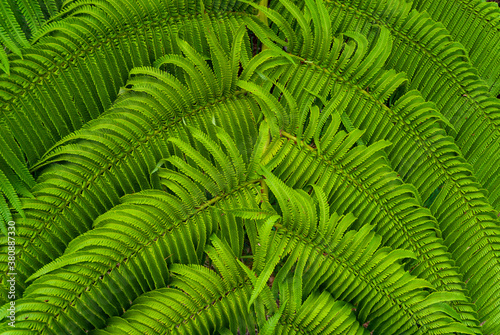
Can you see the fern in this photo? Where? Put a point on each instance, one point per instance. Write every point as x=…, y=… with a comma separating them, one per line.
x=188, y=216
x=206, y=301
x=422, y=47
x=323, y=252
x=232, y=167
x=474, y=23
x=135, y=134
x=67, y=81
x=318, y=314
x=20, y=20
x=357, y=180
x=421, y=151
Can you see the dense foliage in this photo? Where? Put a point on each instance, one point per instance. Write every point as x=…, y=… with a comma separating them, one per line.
x=232, y=167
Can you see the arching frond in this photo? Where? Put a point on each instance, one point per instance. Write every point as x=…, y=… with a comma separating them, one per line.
x=352, y=265
x=125, y=256
x=475, y=24
x=12, y=37
x=421, y=152
x=11, y=184
x=357, y=179
x=19, y=20
x=318, y=314
x=86, y=71
x=78, y=183
x=32, y=12
x=228, y=167
x=127, y=252
x=438, y=68
x=198, y=301
x=79, y=62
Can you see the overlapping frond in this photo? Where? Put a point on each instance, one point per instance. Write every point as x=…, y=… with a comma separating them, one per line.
x=88, y=171
x=78, y=63
x=12, y=37
x=353, y=266
x=198, y=301
x=421, y=152
x=437, y=67
x=15, y=179
x=19, y=21
x=317, y=163
x=318, y=314
x=475, y=24
x=358, y=179
x=127, y=252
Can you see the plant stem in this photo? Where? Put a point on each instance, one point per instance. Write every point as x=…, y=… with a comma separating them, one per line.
x=262, y=17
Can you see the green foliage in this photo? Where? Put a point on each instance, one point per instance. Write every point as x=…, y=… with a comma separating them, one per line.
x=205, y=167
x=477, y=32
x=20, y=20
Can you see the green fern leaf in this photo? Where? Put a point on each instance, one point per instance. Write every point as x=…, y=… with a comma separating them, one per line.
x=351, y=265
x=135, y=132
x=474, y=23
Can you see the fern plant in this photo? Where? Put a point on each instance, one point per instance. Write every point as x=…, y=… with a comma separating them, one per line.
x=282, y=167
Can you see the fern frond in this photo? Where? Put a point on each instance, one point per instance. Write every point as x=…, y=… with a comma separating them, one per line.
x=78, y=183
x=354, y=266
x=14, y=13
x=124, y=256
x=136, y=133
x=475, y=24
x=198, y=301
x=134, y=241
x=422, y=46
x=357, y=179
x=421, y=152
x=15, y=179
x=51, y=7
x=11, y=34
x=32, y=13
x=80, y=61
x=319, y=314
